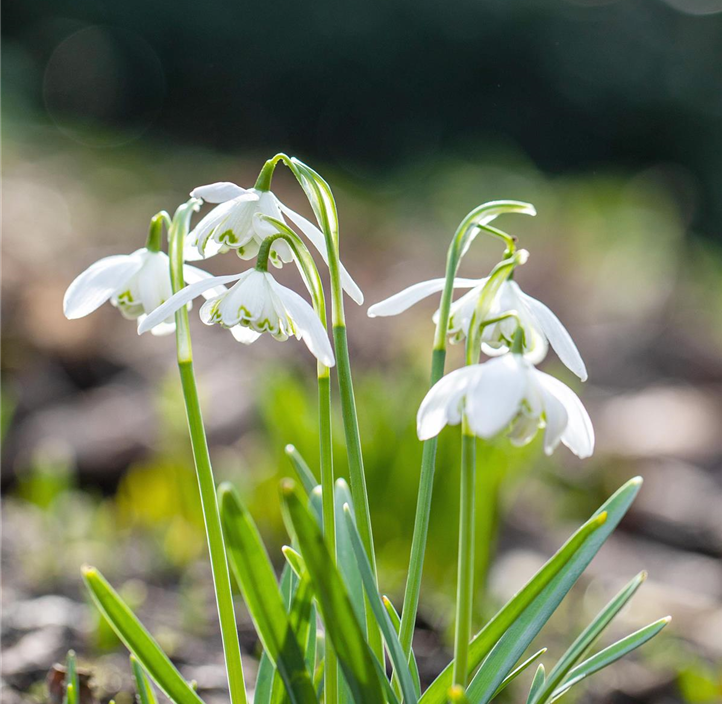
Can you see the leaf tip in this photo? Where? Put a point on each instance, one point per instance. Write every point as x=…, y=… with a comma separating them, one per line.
x=290, y=449
x=288, y=487
x=88, y=571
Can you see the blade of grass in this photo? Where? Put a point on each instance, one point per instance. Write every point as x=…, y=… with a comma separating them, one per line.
x=342, y=626
x=142, y=685
x=516, y=672
x=303, y=471
x=568, y=563
x=609, y=655
x=137, y=639
x=581, y=645
x=396, y=620
x=254, y=573
x=536, y=684
x=72, y=685
x=396, y=653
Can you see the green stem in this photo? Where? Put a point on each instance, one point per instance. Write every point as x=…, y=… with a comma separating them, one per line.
x=465, y=579
x=421, y=523
x=356, y=470
x=330, y=680
x=204, y=471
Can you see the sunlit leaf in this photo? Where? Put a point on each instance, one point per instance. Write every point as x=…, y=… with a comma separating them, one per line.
x=587, y=638
x=553, y=580
x=142, y=685
x=396, y=653
x=342, y=626
x=254, y=573
x=536, y=684
x=137, y=639
x=519, y=669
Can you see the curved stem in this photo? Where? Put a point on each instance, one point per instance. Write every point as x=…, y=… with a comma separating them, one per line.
x=204, y=471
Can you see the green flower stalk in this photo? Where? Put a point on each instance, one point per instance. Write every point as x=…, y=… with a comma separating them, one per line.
x=204, y=471
x=473, y=224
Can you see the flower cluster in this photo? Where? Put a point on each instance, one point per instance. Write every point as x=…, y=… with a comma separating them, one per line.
x=506, y=393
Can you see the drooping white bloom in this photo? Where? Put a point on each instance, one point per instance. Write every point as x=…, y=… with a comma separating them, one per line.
x=508, y=392
x=256, y=303
x=237, y=223
x=134, y=283
x=541, y=327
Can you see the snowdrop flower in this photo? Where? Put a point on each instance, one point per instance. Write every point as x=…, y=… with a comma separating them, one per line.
x=134, y=283
x=541, y=327
x=508, y=392
x=238, y=223
x=256, y=303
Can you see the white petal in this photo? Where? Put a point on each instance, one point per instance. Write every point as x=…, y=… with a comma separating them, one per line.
x=161, y=329
x=579, y=433
x=99, y=282
x=244, y=335
x=317, y=239
x=557, y=335
x=153, y=280
x=496, y=395
x=557, y=420
x=218, y=192
x=250, y=299
x=309, y=326
x=442, y=405
x=192, y=275
x=184, y=296
x=410, y=296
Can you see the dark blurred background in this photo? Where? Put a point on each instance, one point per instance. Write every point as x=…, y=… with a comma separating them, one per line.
x=605, y=114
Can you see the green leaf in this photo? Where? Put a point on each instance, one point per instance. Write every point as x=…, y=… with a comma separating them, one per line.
x=72, y=684
x=526, y=627
x=303, y=471
x=137, y=639
x=396, y=653
x=345, y=556
x=553, y=580
x=294, y=560
x=264, y=680
x=581, y=645
x=611, y=654
x=333, y=600
x=396, y=620
x=144, y=687
x=254, y=573
x=536, y=684
x=517, y=671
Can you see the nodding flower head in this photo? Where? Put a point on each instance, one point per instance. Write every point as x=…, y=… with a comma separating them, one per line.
x=508, y=393
x=541, y=327
x=254, y=305
x=134, y=283
x=238, y=222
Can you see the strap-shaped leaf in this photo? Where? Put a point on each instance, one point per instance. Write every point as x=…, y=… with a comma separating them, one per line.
x=254, y=573
x=342, y=626
x=568, y=563
x=72, y=684
x=345, y=556
x=581, y=645
x=396, y=653
x=536, y=684
x=396, y=620
x=606, y=657
x=137, y=639
x=142, y=684
x=303, y=471
x=518, y=670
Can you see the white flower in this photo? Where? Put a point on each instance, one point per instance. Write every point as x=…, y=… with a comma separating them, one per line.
x=508, y=392
x=134, y=283
x=257, y=303
x=237, y=223
x=541, y=327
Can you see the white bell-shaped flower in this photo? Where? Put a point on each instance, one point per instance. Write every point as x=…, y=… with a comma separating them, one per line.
x=508, y=393
x=257, y=303
x=237, y=223
x=541, y=327
x=134, y=283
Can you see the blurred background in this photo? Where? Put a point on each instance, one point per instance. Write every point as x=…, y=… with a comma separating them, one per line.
x=605, y=114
